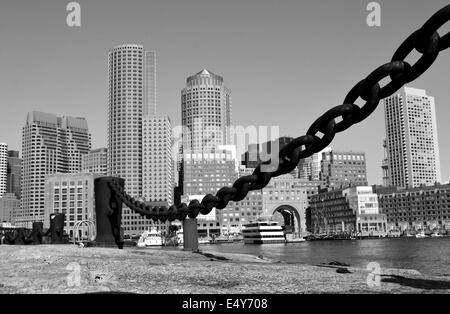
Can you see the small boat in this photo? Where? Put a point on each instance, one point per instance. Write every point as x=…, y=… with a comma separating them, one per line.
x=205, y=240
x=222, y=239
x=150, y=238
x=436, y=235
x=263, y=232
x=421, y=235
x=295, y=240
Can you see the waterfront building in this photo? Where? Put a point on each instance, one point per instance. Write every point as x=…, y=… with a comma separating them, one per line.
x=50, y=144
x=9, y=207
x=72, y=195
x=353, y=210
x=286, y=197
x=422, y=208
x=14, y=173
x=95, y=162
x=340, y=169
x=412, y=139
x=3, y=168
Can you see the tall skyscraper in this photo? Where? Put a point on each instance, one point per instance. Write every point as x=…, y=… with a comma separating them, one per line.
x=3, y=167
x=95, y=162
x=128, y=93
x=412, y=140
x=50, y=144
x=14, y=173
x=206, y=112
x=343, y=169
x=139, y=142
x=206, y=121
x=158, y=164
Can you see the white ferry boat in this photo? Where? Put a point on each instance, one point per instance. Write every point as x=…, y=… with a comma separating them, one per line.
x=150, y=238
x=263, y=232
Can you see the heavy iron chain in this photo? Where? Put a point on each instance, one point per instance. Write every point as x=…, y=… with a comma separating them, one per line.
x=426, y=41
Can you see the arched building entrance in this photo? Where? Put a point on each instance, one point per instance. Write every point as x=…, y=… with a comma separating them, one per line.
x=291, y=217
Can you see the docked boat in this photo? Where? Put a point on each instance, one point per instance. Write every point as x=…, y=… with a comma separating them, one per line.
x=436, y=235
x=421, y=235
x=204, y=240
x=221, y=240
x=263, y=232
x=295, y=240
x=150, y=238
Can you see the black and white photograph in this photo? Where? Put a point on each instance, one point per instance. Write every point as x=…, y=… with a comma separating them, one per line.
x=224, y=155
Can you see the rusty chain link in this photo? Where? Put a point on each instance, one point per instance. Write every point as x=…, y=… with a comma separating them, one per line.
x=426, y=41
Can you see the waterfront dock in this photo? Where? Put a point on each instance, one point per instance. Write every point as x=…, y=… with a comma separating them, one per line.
x=69, y=269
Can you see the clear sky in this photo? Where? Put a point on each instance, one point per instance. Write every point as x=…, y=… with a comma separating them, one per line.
x=286, y=61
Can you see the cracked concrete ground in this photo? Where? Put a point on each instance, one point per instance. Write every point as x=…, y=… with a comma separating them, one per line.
x=69, y=269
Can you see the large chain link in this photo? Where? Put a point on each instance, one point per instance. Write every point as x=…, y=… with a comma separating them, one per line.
x=426, y=41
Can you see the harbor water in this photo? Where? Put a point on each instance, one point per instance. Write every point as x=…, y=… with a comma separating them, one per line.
x=430, y=256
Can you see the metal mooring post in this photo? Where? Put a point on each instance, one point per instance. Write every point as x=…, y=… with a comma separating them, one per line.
x=38, y=228
x=57, y=228
x=190, y=235
x=108, y=210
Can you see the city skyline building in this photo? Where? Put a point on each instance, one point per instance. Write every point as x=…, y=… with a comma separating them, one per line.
x=205, y=112
x=73, y=196
x=139, y=141
x=158, y=163
x=14, y=173
x=50, y=144
x=207, y=173
x=340, y=169
x=95, y=162
x=131, y=95
x=9, y=207
x=412, y=139
x=3, y=168
x=310, y=168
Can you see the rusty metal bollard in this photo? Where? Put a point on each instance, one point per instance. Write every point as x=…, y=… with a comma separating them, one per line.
x=108, y=209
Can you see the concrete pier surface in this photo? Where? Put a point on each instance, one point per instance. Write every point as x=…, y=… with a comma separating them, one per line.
x=69, y=269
